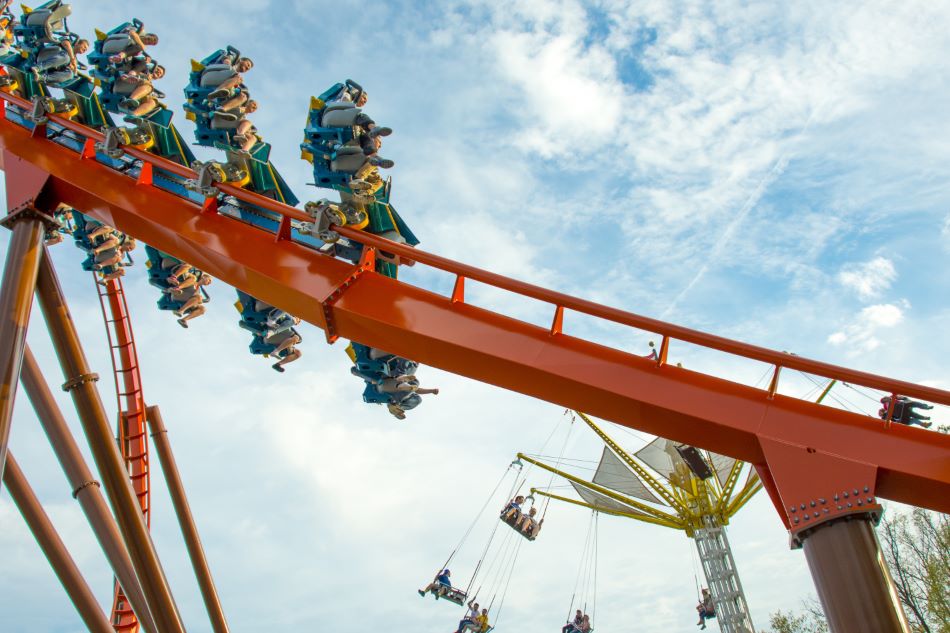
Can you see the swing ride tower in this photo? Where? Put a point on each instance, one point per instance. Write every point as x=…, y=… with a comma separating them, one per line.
x=825, y=469
x=677, y=487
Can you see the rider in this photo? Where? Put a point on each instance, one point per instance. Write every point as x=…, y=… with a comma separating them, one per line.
x=904, y=411
x=56, y=62
x=470, y=616
x=192, y=301
x=440, y=585
x=705, y=609
x=571, y=627
x=528, y=525
x=288, y=340
x=513, y=509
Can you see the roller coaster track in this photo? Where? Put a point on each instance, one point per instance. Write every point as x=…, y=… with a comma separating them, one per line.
x=131, y=426
x=803, y=451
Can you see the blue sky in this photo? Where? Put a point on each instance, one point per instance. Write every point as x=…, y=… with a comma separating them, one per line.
x=772, y=173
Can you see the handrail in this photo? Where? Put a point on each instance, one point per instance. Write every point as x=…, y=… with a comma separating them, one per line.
x=711, y=341
x=560, y=300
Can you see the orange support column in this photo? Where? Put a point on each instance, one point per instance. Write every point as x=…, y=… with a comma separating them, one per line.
x=24, y=186
x=830, y=506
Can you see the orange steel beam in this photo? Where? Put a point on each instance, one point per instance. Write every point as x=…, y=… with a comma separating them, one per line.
x=759, y=426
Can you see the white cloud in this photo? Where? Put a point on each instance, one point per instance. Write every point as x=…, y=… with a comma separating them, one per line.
x=860, y=335
x=870, y=279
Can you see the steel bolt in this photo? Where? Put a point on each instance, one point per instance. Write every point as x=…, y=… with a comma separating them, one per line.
x=836, y=496
x=796, y=519
x=870, y=499
x=823, y=501
x=855, y=491
x=849, y=504
x=860, y=502
x=803, y=506
x=816, y=515
x=840, y=508
x=845, y=494
x=866, y=489
x=826, y=510
x=813, y=504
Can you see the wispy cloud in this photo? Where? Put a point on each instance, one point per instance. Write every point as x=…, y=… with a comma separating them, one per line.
x=870, y=279
x=861, y=334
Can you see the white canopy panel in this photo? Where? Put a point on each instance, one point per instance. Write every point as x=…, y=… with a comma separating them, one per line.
x=613, y=473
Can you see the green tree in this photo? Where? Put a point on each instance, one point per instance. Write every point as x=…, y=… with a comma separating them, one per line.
x=917, y=549
x=811, y=621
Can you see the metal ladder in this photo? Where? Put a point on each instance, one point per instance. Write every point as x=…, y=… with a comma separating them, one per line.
x=131, y=429
x=715, y=554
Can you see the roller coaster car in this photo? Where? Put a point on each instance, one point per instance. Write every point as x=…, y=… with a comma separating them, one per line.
x=270, y=326
x=373, y=362
x=153, y=131
x=41, y=57
x=203, y=81
x=452, y=594
x=82, y=229
x=330, y=141
x=160, y=266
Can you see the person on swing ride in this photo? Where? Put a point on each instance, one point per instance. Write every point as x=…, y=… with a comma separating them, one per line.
x=440, y=585
x=512, y=511
x=571, y=627
x=528, y=525
x=479, y=625
x=470, y=616
x=705, y=609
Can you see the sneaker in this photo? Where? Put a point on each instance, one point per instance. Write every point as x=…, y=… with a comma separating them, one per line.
x=383, y=163
x=422, y=593
x=381, y=131
x=183, y=323
x=926, y=425
x=220, y=93
x=277, y=368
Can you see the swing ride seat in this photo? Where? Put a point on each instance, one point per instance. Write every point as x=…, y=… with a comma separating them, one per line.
x=512, y=522
x=452, y=594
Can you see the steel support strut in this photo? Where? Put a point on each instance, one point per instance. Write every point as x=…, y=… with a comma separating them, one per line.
x=830, y=506
x=189, y=530
x=53, y=548
x=854, y=585
x=80, y=383
x=84, y=487
x=16, y=301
